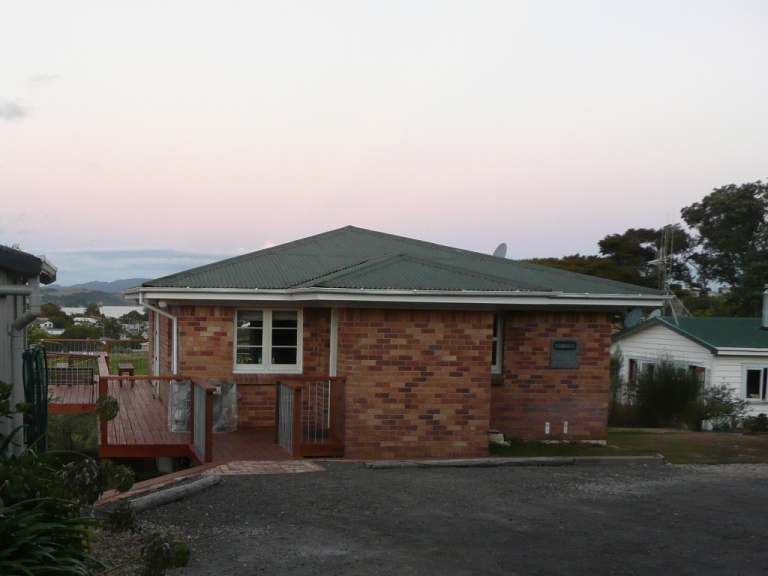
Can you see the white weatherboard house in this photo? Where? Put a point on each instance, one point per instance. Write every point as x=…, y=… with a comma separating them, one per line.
x=732, y=351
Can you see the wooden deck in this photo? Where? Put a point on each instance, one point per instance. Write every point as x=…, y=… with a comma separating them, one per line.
x=71, y=399
x=248, y=444
x=140, y=429
x=143, y=418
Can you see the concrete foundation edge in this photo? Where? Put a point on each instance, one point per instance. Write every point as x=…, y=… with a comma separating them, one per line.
x=541, y=461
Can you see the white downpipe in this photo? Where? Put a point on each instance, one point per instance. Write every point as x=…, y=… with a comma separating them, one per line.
x=175, y=335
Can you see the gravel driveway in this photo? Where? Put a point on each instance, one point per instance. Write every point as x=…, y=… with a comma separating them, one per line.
x=668, y=519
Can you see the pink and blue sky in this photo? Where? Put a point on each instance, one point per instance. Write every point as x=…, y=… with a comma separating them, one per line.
x=138, y=139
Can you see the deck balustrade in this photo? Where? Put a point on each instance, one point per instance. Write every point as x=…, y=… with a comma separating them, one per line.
x=309, y=415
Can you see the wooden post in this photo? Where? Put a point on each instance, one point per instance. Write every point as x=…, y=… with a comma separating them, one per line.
x=192, y=386
x=103, y=423
x=297, y=393
x=209, y=426
x=277, y=412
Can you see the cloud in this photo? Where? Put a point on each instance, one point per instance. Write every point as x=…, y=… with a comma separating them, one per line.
x=43, y=78
x=11, y=110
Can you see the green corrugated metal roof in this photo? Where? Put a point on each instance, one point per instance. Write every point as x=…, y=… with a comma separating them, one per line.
x=712, y=333
x=356, y=258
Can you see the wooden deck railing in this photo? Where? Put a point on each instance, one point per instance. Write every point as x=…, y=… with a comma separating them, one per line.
x=132, y=350
x=309, y=415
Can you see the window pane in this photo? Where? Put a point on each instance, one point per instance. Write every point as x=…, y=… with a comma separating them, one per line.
x=284, y=356
x=284, y=337
x=250, y=319
x=753, y=383
x=282, y=319
x=494, y=354
x=250, y=337
x=765, y=383
x=249, y=355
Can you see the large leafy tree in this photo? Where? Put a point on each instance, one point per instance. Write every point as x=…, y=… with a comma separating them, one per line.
x=628, y=257
x=732, y=241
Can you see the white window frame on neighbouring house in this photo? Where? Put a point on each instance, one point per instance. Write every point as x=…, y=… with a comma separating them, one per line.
x=268, y=365
x=762, y=369
x=497, y=358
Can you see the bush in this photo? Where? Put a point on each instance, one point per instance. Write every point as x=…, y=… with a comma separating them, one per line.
x=664, y=396
x=720, y=405
x=43, y=529
x=74, y=433
x=621, y=412
x=757, y=423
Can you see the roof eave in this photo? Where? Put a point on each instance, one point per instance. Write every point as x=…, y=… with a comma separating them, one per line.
x=393, y=296
x=730, y=351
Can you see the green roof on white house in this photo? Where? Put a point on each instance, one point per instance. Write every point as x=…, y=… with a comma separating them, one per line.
x=355, y=258
x=711, y=333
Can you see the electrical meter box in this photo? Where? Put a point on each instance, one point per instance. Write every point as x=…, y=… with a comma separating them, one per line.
x=564, y=353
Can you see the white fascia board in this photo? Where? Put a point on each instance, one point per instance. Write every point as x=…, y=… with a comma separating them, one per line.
x=426, y=297
x=757, y=352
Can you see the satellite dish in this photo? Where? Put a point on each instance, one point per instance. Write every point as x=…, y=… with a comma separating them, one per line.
x=633, y=317
x=655, y=314
x=501, y=250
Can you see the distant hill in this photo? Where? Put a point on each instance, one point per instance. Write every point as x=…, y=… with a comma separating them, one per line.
x=108, y=287
x=74, y=297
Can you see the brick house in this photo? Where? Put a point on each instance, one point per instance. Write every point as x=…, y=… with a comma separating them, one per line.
x=436, y=345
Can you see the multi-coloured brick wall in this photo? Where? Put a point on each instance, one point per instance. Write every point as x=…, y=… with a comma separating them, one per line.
x=418, y=382
x=529, y=393
x=206, y=341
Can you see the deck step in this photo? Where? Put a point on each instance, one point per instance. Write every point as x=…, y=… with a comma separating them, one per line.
x=327, y=447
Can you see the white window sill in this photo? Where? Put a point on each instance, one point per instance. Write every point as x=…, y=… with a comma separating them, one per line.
x=248, y=370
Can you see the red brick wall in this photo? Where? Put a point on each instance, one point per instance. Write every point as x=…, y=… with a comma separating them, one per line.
x=418, y=382
x=532, y=393
x=206, y=340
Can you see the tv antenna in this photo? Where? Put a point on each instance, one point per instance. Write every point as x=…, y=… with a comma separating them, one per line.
x=501, y=250
x=664, y=263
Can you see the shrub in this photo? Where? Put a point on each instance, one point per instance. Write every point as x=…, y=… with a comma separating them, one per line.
x=75, y=433
x=757, y=423
x=43, y=529
x=663, y=396
x=720, y=405
x=621, y=411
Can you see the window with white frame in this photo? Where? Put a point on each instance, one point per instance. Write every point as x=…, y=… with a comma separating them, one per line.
x=268, y=341
x=755, y=382
x=498, y=344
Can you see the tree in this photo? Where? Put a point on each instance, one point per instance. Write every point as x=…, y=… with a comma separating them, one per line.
x=81, y=331
x=627, y=257
x=55, y=314
x=732, y=241
x=134, y=316
x=112, y=328
x=92, y=310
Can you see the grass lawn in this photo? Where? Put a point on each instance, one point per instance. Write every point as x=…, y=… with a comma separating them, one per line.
x=140, y=361
x=677, y=446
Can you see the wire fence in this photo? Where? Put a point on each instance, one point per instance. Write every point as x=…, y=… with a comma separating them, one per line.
x=134, y=351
